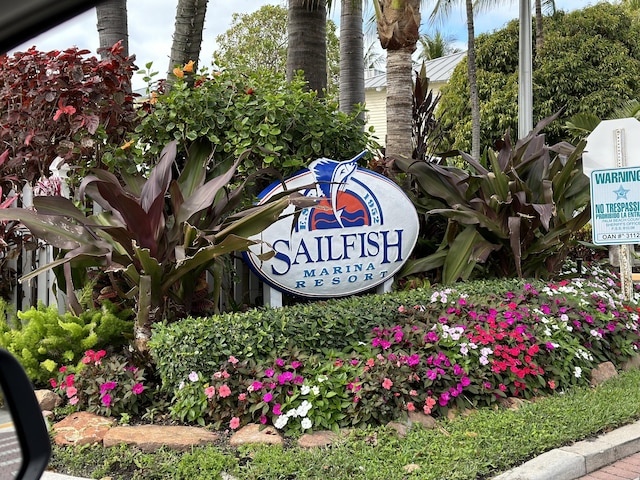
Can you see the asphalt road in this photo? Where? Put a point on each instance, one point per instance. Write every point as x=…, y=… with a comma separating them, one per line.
x=10, y=457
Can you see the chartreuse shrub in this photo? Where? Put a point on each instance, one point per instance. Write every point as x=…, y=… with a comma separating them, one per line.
x=43, y=340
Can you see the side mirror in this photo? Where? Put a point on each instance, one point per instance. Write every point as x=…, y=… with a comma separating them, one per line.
x=30, y=428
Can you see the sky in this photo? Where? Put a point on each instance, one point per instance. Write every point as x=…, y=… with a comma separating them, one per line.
x=151, y=24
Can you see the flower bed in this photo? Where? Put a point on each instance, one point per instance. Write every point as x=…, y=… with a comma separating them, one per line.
x=464, y=347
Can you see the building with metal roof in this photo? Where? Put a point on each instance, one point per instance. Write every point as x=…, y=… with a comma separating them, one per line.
x=439, y=71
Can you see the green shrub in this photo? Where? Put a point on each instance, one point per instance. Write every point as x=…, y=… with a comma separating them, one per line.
x=203, y=344
x=320, y=328
x=283, y=123
x=42, y=339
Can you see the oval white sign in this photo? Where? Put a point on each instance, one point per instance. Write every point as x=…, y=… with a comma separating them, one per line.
x=359, y=234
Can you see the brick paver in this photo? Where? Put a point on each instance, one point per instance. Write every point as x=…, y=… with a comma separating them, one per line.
x=625, y=469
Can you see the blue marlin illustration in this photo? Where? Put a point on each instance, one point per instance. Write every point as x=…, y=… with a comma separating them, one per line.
x=331, y=177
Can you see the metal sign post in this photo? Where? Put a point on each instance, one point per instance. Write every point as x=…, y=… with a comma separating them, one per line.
x=626, y=270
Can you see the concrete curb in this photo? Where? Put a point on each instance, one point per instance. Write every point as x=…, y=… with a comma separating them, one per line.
x=581, y=458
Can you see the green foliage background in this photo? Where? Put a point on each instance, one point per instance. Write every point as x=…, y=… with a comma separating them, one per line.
x=590, y=63
x=283, y=124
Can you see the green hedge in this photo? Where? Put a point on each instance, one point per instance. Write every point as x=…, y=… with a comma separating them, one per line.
x=336, y=325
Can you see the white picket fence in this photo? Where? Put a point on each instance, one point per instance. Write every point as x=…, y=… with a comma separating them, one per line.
x=41, y=288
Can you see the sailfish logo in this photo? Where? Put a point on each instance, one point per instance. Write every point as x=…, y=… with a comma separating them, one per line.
x=332, y=178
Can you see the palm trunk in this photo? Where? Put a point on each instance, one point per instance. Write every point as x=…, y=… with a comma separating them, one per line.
x=351, y=55
x=398, y=25
x=307, y=42
x=539, y=28
x=187, y=37
x=399, y=104
x=112, y=25
x=473, y=84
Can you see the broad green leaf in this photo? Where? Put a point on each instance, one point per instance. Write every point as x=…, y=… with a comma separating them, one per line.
x=459, y=258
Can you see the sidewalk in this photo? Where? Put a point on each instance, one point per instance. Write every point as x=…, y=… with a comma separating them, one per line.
x=612, y=456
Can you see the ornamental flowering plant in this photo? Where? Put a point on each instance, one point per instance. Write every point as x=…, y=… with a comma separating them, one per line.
x=461, y=351
x=282, y=392
x=105, y=385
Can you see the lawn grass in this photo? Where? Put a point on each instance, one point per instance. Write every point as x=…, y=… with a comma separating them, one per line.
x=478, y=446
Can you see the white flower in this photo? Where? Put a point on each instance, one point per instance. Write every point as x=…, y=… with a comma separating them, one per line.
x=322, y=378
x=193, y=376
x=316, y=390
x=304, y=408
x=306, y=423
x=305, y=389
x=181, y=386
x=486, y=351
x=547, y=332
x=281, y=422
x=564, y=317
x=577, y=372
x=464, y=350
x=484, y=360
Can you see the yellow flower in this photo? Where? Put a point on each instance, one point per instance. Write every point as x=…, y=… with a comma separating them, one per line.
x=126, y=145
x=189, y=66
x=178, y=72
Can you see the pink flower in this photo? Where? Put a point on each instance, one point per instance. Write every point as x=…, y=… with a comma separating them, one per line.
x=413, y=393
x=277, y=409
x=263, y=419
x=256, y=386
x=224, y=391
x=234, y=423
x=210, y=392
x=242, y=397
x=296, y=365
x=371, y=363
x=106, y=400
x=233, y=360
x=269, y=372
x=107, y=386
x=71, y=391
x=401, y=309
x=73, y=400
x=69, y=379
x=138, y=388
x=267, y=397
x=411, y=407
x=225, y=374
x=387, y=384
x=53, y=382
x=280, y=362
x=63, y=369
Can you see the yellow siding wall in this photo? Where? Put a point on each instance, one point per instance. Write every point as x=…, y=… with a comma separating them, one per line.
x=376, y=104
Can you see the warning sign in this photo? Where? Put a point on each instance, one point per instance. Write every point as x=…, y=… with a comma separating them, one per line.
x=615, y=206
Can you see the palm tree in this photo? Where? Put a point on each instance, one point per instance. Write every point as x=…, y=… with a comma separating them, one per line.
x=112, y=25
x=351, y=55
x=435, y=46
x=398, y=23
x=307, y=42
x=187, y=36
x=442, y=9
